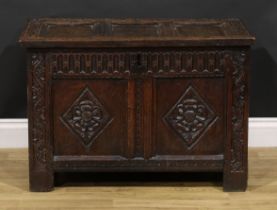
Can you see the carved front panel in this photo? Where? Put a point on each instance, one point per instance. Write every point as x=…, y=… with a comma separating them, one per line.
x=188, y=108
x=189, y=117
x=90, y=117
x=86, y=117
x=188, y=128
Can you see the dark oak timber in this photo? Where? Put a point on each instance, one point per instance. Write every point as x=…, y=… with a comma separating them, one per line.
x=168, y=95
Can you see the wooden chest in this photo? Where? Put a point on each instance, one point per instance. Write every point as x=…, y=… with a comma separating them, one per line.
x=137, y=95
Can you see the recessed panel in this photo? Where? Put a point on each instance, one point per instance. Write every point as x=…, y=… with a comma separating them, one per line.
x=189, y=116
x=90, y=117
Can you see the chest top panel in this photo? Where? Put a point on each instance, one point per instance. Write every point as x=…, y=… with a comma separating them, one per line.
x=57, y=32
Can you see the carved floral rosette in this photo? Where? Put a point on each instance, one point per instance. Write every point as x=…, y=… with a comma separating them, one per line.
x=86, y=117
x=190, y=117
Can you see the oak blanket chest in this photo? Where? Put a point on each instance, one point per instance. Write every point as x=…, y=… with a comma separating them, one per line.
x=109, y=95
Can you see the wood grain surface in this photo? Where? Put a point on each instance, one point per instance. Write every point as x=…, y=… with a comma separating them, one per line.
x=59, y=32
x=261, y=193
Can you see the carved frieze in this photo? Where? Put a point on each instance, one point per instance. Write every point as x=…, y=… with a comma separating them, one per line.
x=157, y=63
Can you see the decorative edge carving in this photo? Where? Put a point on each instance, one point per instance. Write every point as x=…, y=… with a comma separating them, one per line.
x=38, y=106
x=158, y=63
x=239, y=85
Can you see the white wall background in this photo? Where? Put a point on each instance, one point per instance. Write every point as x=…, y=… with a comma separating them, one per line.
x=262, y=133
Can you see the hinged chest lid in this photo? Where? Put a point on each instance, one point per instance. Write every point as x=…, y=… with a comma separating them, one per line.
x=57, y=32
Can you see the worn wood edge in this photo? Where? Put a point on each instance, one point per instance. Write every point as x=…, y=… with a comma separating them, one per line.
x=243, y=39
x=205, y=42
x=138, y=165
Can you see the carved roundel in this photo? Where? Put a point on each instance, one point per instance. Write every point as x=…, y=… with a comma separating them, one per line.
x=190, y=117
x=86, y=117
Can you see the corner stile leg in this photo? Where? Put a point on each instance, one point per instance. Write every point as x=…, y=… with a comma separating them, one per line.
x=40, y=153
x=236, y=148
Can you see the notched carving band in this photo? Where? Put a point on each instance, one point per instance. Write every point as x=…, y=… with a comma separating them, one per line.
x=157, y=63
